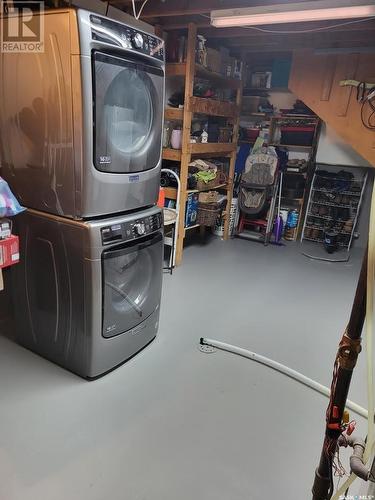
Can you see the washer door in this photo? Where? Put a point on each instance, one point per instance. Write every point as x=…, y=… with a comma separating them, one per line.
x=128, y=100
x=132, y=277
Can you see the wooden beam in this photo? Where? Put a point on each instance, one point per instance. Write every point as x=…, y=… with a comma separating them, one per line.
x=266, y=49
x=171, y=8
x=213, y=107
x=186, y=131
x=306, y=40
x=181, y=23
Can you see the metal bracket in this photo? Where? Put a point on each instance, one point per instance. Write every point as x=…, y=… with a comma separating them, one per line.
x=207, y=349
x=356, y=83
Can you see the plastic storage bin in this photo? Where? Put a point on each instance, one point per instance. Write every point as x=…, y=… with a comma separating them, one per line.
x=297, y=136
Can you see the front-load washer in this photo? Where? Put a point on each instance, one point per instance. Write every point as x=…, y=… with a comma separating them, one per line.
x=87, y=294
x=81, y=122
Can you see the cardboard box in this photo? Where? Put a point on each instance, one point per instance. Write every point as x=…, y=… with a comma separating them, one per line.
x=213, y=60
x=9, y=251
x=191, y=210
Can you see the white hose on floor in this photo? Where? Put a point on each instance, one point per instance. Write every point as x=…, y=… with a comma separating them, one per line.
x=370, y=443
x=299, y=377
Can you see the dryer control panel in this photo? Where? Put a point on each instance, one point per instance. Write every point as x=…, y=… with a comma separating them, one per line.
x=128, y=231
x=126, y=37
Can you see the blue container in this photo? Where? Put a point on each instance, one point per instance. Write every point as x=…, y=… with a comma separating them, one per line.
x=292, y=220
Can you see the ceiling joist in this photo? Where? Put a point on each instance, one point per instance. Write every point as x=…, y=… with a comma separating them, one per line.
x=176, y=15
x=171, y=8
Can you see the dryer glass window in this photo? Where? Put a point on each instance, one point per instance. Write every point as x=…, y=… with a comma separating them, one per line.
x=128, y=114
x=132, y=276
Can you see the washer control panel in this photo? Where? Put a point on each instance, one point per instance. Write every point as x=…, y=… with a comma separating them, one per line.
x=127, y=231
x=114, y=33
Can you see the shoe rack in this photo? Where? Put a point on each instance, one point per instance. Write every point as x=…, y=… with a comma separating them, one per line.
x=334, y=203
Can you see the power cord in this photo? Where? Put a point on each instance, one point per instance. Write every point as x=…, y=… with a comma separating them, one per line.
x=312, y=30
x=368, y=116
x=137, y=16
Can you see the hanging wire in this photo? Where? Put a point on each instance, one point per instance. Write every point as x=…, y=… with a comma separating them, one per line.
x=137, y=16
x=312, y=30
x=368, y=113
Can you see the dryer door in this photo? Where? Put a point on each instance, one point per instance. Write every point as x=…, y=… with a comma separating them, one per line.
x=132, y=276
x=128, y=112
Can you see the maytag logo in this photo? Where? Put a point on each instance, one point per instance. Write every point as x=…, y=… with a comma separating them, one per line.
x=111, y=328
x=22, y=26
x=133, y=178
x=105, y=159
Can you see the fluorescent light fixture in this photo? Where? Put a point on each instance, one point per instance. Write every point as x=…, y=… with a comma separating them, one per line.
x=320, y=10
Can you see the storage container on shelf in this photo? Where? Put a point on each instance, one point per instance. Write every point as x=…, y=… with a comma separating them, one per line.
x=296, y=135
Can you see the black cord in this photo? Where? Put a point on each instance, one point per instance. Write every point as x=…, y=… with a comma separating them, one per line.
x=367, y=121
x=106, y=10
x=332, y=485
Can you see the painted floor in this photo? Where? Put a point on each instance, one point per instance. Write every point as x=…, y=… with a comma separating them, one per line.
x=174, y=423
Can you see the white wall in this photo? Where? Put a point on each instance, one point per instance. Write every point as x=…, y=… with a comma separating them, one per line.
x=282, y=100
x=332, y=149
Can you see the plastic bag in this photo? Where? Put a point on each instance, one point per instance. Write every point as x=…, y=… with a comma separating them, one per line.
x=9, y=205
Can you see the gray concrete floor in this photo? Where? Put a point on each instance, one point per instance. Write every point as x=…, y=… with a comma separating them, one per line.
x=176, y=424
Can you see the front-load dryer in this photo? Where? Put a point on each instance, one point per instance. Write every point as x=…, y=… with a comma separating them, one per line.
x=88, y=293
x=81, y=122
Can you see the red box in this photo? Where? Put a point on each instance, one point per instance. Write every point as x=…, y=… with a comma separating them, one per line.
x=9, y=251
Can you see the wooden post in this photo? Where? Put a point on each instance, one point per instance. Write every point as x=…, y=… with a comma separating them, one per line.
x=186, y=132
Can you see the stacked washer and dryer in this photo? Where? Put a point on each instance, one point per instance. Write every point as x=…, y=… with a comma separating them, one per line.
x=81, y=127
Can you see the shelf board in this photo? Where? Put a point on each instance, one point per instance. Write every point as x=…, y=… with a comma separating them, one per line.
x=292, y=146
x=192, y=227
x=213, y=107
x=179, y=69
x=292, y=172
x=257, y=89
x=347, y=193
x=170, y=193
x=256, y=113
x=296, y=115
x=174, y=113
x=319, y=240
x=212, y=188
x=215, y=148
x=344, y=233
x=171, y=154
x=218, y=78
x=175, y=69
x=332, y=204
x=300, y=200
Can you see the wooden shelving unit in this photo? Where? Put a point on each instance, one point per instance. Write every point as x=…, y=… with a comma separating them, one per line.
x=174, y=113
x=190, y=70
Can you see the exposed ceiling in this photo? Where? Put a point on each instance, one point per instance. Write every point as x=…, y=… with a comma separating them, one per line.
x=176, y=14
